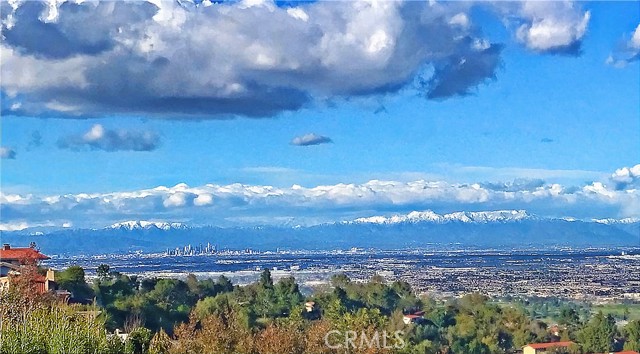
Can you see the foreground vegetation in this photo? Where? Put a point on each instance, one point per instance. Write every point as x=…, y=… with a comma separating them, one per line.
x=171, y=316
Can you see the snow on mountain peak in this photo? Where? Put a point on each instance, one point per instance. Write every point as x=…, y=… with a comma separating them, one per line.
x=462, y=216
x=610, y=221
x=143, y=225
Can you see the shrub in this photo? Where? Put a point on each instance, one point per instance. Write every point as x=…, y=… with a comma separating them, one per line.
x=138, y=341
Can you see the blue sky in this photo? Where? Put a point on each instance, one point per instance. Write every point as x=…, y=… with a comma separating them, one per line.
x=525, y=108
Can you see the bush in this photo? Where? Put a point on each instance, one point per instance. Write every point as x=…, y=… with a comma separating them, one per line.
x=160, y=344
x=52, y=329
x=138, y=341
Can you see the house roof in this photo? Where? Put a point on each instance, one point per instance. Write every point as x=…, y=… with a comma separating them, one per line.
x=17, y=254
x=412, y=316
x=549, y=345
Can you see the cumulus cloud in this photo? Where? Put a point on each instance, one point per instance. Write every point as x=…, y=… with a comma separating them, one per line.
x=100, y=138
x=618, y=196
x=175, y=59
x=310, y=139
x=626, y=178
x=555, y=27
x=7, y=153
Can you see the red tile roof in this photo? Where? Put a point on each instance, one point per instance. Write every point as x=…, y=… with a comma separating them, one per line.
x=18, y=254
x=412, y=316
x=549, y=345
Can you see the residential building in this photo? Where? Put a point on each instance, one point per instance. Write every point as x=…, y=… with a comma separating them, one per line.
x=310, y=306
x=413, y=317
x=12, y=261
x=542, y=348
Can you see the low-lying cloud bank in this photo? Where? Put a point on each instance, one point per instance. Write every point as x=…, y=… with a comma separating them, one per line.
x=212, y=204
x=204, y=60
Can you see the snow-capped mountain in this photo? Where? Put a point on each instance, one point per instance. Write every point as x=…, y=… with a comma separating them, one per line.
x=483, y=217
x=145, y=225
x=610, y=221
x=491, y=229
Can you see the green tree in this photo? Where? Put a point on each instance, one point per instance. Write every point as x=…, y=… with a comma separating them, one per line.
x=288, y=295
x=265, y=304
x=169, y=302
x=73, y=280
x=213, y=305
x=266, y=281
x=598, y=334
x=224, y=284
x=480, y=327
x=148, y=284
x=340, y=280
x=334, y=310
x=402, y=288
x=632, y=336
x=443, y=316
x=381, y=296
x=138, y=341
x=192, y=284
x=103, y=271
x=568, y=316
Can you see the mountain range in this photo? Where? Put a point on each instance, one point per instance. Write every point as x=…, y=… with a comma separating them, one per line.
x=143, y=224
x=418, y=229
x=464, y=217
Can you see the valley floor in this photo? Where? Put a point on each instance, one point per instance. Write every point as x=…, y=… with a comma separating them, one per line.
x=597, y=275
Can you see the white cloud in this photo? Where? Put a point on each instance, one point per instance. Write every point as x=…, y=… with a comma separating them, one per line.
x=615, y=197
x=19, y=225
x=203, y=199
x=175, y=200
x=552, y=26
x=311, y=139
x=100, y=138
x=626, y=177
x=628, y=52
x=298, y=13
x=635, y=39
x=15, y=226
x=460, y=19
x=178, y=60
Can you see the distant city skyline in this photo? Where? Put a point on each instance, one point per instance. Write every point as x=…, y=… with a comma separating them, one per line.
x=260, y=112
